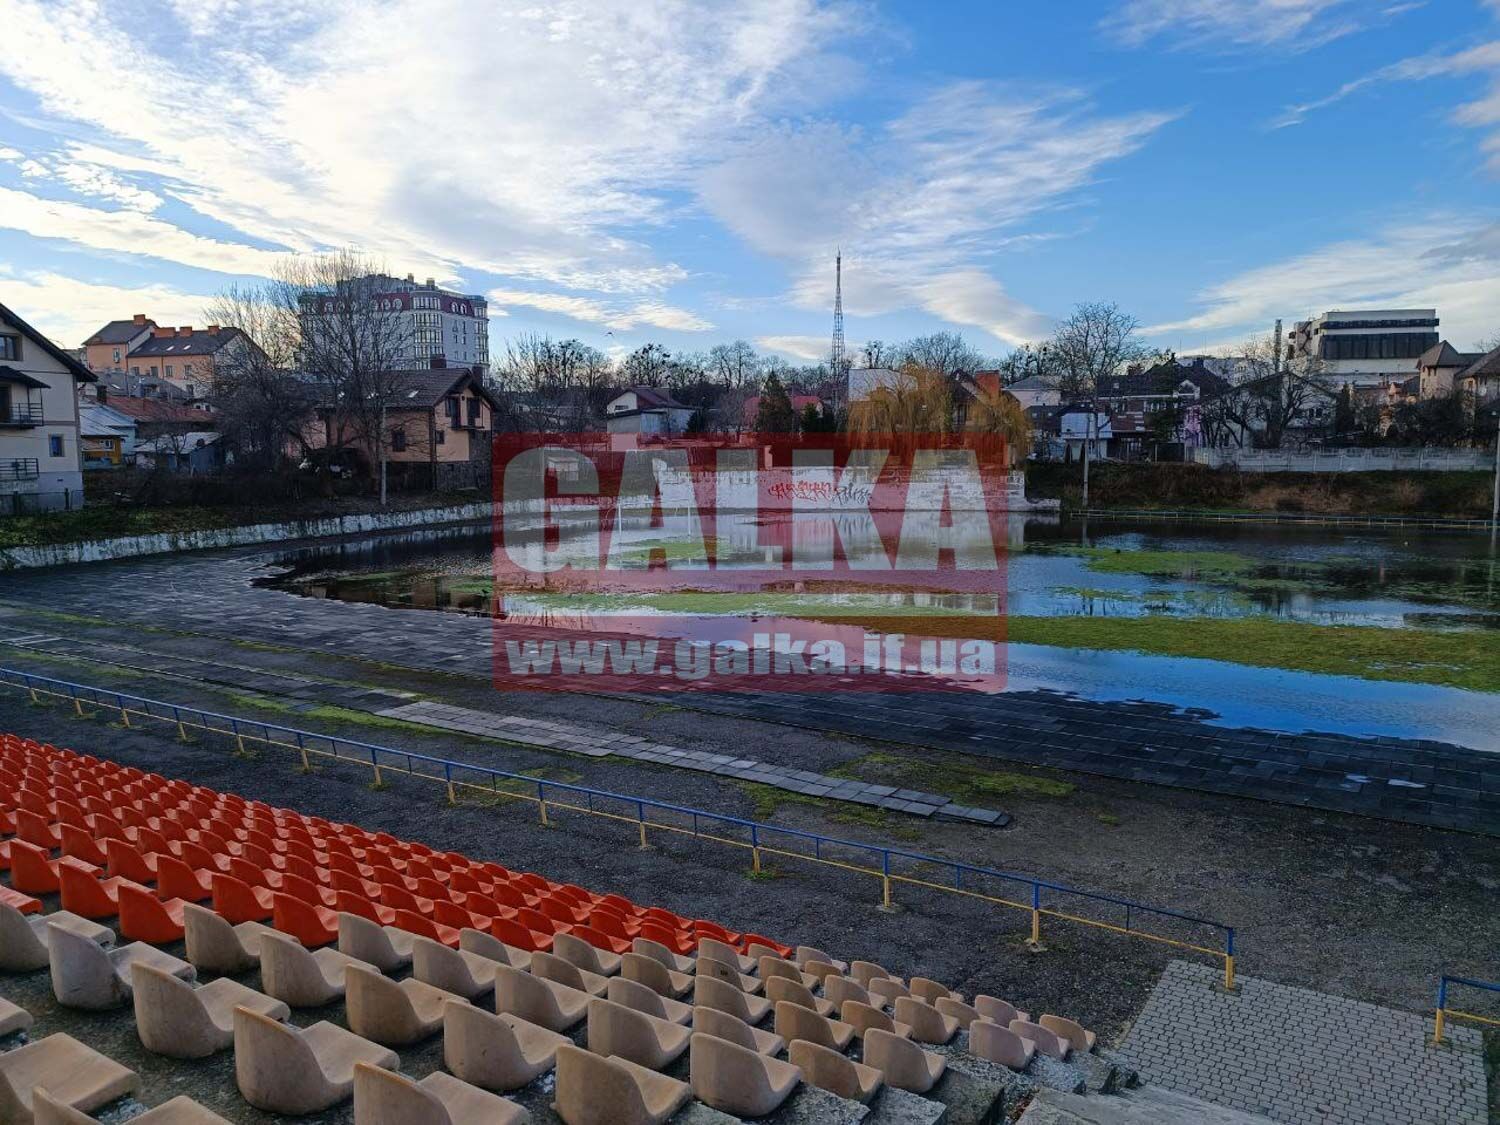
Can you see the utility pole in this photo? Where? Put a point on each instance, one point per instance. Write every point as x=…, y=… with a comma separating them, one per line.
x=1495, y=502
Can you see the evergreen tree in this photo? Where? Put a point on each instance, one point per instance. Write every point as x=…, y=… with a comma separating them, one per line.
x=1344, y=421
x=775, y=414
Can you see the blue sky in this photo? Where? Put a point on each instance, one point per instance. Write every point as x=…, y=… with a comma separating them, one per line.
x=630, y=170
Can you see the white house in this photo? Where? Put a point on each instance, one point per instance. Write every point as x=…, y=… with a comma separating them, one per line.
x=41, y=463
x=1076, y=433
x=1036, y=390
x=646, y=410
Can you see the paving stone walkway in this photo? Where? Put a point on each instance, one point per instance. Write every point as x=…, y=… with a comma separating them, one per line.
x=1303, y=1057
x=600, y=742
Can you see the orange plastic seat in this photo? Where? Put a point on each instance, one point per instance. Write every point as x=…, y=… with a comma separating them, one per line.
x=311, y=925
x=608, y=923
x=84, y=893
x=37, y=828
x=144, y=917
x=237, y=901
x=251, y=871
x=512, y=932
x=123, y=859
x=423, y=926
x=201, y=858
x=783, y=951
x=601, y=940
x=80, y=843
x=673, y=939
x=451, y=914
x=508, y=895
x=540, y=922
x=351, y=902
x=30, y=869
x=175, y=879
x=352, y=883
x=560, y=910
x=402, y=899
x=299, y=887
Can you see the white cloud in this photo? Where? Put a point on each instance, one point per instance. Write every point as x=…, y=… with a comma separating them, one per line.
x=922, y=204
x=1446, y=262
x=810, y=349
x=1295, y=25
x=85, y=178
x=623, y=318
x=68, y=310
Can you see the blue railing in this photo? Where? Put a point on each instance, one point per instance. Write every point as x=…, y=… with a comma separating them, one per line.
x=1445, y=1013
x=1039, y=897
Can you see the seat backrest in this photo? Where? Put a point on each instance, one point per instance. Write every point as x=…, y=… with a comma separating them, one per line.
x=654, y=950
x=269, y=1057
x=712, y=968
x=839, y=989
x=385, y=1098
x=212, y=944
x=718, y=951
x=997, y=1044
x=82, y=974
x=549, y=966
x=21, y=948
x=635, y=995
x=365, y=940
x=578, y=952
x=47, y=1110
x=866, y=971
x=793, y=1022
x=773, y=966
x=169, y=1016
x=807, y=953
x=486, y=945
x=594, y=1091
x=923, y=988
x=996, y=1010
x=1046, y=1041
x=644, y=970
x=722, y=1025
x=824, y=1067
x=714, y=993
x=863, y=1017
x=1068, y=1030
x=780, y=989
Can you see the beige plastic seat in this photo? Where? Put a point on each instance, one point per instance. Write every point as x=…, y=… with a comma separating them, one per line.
x=298, y=977
x=820, y=971
x=655, y=976
x=928, y=1025
x=822, y=1066
x=998, y=1011
x=722, y=970
x=182, y=1022
x=725, y=954
x=593, y=1090
x=794, y=1022
x=394, y=1013
x=884, y=991
x=862, y=1017
x=453, y=970
x=713, y=993
x=621, y=1032
x=795, y=992
x=496, y=1052
x=535, y=1000
x=84, y=975
x=1047, y=1042
x=807, y=954
x=659, y=952
x=23, y=939
x=905, y=1065
x=773, y=966
x=643, y=999
x=1077, y=1037
x=928, y=991
x=178, y=1111
x=385, y=947
x=383, y=1098
x=551, y=967
x=214, y=946
x=864, y=972
x=285, y=1069
x=579, y=952
x=838, y=989
x=988, y=1040
x=737, y=1080
x=721, y=1025
x=75, y=1075
x=492, y=948
x=963, y=1013
x=13, y=1017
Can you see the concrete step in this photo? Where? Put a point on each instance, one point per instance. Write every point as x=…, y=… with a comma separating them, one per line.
x=1146, y=1106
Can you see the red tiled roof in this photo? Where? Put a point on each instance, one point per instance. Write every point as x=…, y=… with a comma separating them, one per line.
x=157, y=410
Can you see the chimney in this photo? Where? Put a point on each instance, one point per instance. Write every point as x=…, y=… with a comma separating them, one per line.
x=439, y=362
x=213, y=329
x=411, y=279
x=162, y=332
x=185, y=330
x=431, y=284
x=138, y=318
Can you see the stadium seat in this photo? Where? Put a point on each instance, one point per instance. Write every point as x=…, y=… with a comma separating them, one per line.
x=592, y=1090
x=928, y=1025
x=74, y=1075
x=394, y=1013
x=757, y=945
x=496, y=1052
x=285, y=1069
x=617, y=1031
x=722, y=1025
x=237, y=901
x=311, y=925
x=864, y=972
x=781, y=989
x=87, y=976
x=996, y=1044
x=298, y=977
x=709, y=947
x=714, y=993
x=308, y=890
x=770, y=965
x=885, y=991
x=515, y=934
x=178, y=1111
x=806, y=954
x=863, y=1017
x=535, y=1000
x=840, y=989
x=216, y=946
x=125, y=860
x=965, y=1014
x=604, y=942
x=644, y=999
x=678, y=963
x=1047, y=1042
x=998, y=1011
x=384, y=1098
x=1074, y=1034
x=728, y=974
x=672, y=939
x=929, y=991
x=655, y=976
x=549, y=966
x=737, y=1080
x=347, y=901
x=13, y=1018
x=176, y=879
x=23, y=940
x=824, y=1067
x=794, y=1022
x=487, y=945
x=144, y=917
x=182, y=1022
x=905, y=1065
x=31, y=872
x=453, y=970
x=37, y=829
x=385, y=947
x=80, y=844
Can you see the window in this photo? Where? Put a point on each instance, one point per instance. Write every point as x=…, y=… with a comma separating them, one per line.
x=473, y=411
x=117, y=355
x=55, y=445
x=135, y=370
x=398, y=441
x=169, y=371
x=451, y=406
x=153, y=371
x=10, y=347
x=442, y=436
x=187, y=370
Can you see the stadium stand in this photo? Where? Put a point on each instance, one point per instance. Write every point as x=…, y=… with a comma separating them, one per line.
x=552, y=1002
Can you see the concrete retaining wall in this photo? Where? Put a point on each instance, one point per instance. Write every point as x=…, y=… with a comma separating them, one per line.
x=99, y=550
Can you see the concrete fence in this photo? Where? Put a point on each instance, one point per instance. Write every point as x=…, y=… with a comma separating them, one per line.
x=1347, y=460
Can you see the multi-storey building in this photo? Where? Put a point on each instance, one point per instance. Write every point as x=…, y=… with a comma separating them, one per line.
x=432, y=322
x=183, y=358
x=41, y=463
x=1365, y=348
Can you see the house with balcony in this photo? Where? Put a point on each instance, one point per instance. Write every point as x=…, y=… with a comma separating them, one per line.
x=41, y=462
x=646, y=410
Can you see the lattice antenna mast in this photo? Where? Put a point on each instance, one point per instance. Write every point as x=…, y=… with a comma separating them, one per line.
x=837, y=360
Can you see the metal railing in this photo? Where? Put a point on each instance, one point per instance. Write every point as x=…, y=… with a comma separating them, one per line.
x=1316, y=519
x=22, y=414
x=1444, y=1013
x=20, y=468
x=893, y=867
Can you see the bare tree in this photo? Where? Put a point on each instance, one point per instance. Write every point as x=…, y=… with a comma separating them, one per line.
x=735, y=365
x=947, y=352
x=1276, y=396
x=1095, y=343
x=553, y=384
x=877, y=353
x=647, y=366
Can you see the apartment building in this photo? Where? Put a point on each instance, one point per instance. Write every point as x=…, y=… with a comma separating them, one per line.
x=430, y=321
x=41, y=463
x=1365, y=348
x=182, y=357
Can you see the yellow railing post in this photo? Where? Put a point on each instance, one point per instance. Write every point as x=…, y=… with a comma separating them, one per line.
x=885, y=893
x=78, y=706
x=755, y=860
x=1229, y=972
x=125, y=716
x=542, y=804
x=1437, y=1028
x=643, y=834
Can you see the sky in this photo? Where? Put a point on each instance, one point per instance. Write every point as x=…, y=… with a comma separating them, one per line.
x=683, y=171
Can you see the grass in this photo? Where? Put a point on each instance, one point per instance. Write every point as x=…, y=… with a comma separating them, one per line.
x=514, y=789
x=767, y=800
x=1209, y=566
x=967, y=783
